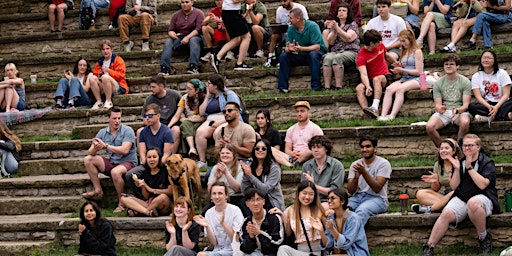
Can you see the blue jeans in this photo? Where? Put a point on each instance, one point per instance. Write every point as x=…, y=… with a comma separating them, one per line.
x=11, y=165
x=95, y=5
x=289, y=60
x=483, y=25
x=195, y=43
x=67, y=90
x=366, y=205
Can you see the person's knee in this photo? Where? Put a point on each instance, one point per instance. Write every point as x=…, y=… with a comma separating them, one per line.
x=118, y=172
x=88, y=159
x=360, y=89
x=473, y=205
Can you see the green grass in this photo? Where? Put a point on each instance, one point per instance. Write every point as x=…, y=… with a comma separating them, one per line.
x=44, y=138
x=298, y=93
x=399, y=249
x=356, y=122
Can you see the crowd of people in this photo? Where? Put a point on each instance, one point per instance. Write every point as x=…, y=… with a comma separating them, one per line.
x=244, y=185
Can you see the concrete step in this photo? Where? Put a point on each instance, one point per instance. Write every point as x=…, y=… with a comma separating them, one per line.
x=44, y=204
x=381, y=230
x=13, y=248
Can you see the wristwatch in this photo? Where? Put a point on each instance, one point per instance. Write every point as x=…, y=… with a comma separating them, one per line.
x=469, y=168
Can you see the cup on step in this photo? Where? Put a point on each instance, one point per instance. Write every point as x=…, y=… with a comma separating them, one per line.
x=33, y=79
x=404, y=203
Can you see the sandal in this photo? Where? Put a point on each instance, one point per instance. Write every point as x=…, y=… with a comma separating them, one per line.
x=152, y=213
x=119, y=209
x=93, y=195
x=131, y=213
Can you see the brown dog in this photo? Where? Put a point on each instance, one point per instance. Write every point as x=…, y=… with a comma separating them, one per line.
x=180, y=171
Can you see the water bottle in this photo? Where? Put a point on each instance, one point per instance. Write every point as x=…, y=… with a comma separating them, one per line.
x=508, y=200
x=404, y=203
x=423, y=81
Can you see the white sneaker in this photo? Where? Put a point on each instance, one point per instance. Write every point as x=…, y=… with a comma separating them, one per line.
x=201, y=164
x=97, y=105
x=110, y=26
x=128, y=47
x=145, y=46
x=206, y=57
x=385, y=118
x=230, y=56
x=108, y=104
x=481, y=119
x=260, y=54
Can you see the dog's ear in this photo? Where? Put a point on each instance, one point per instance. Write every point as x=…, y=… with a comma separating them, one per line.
x=181, y=157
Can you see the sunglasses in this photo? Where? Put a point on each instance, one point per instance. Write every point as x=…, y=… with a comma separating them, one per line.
x=260, y=148
x=229, y=110
x=149, y=115
x=331, y=198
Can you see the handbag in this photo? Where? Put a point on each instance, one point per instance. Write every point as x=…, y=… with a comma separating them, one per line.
x=306, y=234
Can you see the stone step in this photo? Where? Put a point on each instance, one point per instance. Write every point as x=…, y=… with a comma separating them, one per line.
x=13, y=248
x=381, y=230
x=39, y=204
x=48, y=185
x=70, y=165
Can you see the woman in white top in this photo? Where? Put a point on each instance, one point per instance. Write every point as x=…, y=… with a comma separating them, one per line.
x=73, y=87
x=491, y=87
x=307, y=208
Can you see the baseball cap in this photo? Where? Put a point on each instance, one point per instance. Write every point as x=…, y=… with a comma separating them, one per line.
x=302, y=103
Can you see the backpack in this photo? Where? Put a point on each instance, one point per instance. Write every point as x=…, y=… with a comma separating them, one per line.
x=85, y=16
x=243, y=109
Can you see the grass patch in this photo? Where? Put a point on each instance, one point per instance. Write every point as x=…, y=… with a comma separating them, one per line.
x=44, y=138
x=398, y=249
x=356, y=122
x=62, y=250
x=298, y=93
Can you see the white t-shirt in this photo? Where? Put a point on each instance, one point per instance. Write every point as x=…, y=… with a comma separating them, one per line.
x=238, y=177
x=389, y=28
x=379, y=167
x=233, y=217
x=282, y=13
x=490, y=85
x=139, y=2
x=229, y=5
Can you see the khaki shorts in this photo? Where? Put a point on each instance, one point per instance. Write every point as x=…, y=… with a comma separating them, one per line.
x=459, y=207
x=440, y=20
x=447, y=118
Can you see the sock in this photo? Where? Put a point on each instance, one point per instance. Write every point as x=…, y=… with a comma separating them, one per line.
x=271, y=54
x=376, y=103
x=59, y=101
x=420, y=39
x=482, y=235
x=472, y=40
x=451, y=45
x=127, y=42
x=432, y=245
x=145, y=40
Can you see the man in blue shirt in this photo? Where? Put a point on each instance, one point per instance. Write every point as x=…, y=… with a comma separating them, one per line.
x=118, y=140
x=304, y=46
x=154, y=135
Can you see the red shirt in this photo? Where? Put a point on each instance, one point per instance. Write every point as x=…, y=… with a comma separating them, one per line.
x=375, y=61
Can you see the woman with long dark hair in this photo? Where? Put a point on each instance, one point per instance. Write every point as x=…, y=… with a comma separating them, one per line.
x=491, y=87
x=73, y=87
x=216, y=98
x=10, y=147
x=430, y=199
x=187, y=114
x=264, y=174
x=155, y=186
x=306, y=212
x=344, y=230
x=96, y=233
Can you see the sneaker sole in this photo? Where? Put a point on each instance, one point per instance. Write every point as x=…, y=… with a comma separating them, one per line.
x=371, y=114
x=243, y=68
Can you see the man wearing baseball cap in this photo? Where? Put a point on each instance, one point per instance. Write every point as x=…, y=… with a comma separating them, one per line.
x=298, y=136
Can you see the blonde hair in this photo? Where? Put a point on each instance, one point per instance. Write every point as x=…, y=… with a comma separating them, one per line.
x=11, y=66
x=412, y=41
x=6, y=133
x=105, y=42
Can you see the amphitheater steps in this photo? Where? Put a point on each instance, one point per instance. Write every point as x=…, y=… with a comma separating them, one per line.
x=16, y=248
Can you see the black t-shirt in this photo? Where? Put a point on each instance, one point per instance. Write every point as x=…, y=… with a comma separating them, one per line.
x=273, y=136
x=193, y=233
x=157, y=181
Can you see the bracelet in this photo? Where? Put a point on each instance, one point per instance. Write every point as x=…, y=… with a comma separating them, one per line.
x=106, y=146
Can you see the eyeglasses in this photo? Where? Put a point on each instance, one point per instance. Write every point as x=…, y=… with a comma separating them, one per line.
x=331, y=198
x=229, y=110
x=256, y=200
x=260, y=148
x=149, y=115
x=468, y=145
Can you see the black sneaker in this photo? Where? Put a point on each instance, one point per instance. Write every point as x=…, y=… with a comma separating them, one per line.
x=243, y=66
x=165, y=71
x=447, y=49
x=417, y=208
x=59, y=106
x=427, y=250
x=215, y=62
x=468, y=46
x=486, y=244
x=193, y=69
